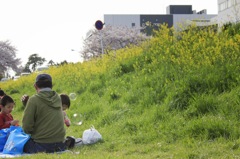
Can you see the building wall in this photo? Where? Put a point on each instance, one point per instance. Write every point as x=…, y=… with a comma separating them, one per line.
x=228, y=11
x=156, y=19
x=180, y=21
x=127, y=20
x=179, y=9
x=177, y=20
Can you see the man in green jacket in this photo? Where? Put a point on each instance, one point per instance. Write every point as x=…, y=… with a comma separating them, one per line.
x=43, y=119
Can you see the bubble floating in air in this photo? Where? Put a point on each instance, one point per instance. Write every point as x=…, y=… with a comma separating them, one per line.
x=72, y=96
x=77, y=119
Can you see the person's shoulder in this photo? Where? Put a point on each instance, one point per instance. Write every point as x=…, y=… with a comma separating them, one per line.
x=33, y=98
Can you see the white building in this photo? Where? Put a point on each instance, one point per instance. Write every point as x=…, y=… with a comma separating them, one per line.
x=228, y=11
x=177, y=16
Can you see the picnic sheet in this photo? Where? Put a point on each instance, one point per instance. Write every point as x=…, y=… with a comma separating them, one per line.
x=11, y=156
x=24, y=154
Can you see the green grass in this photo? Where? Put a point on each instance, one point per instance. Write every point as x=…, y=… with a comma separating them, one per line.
x=177, y=99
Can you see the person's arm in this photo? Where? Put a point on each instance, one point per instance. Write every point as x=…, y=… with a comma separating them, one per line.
x=4, y=124
x=28, y=117
x=66, y=119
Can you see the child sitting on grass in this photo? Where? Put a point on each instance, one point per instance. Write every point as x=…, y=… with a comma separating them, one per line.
x=65, y=105
x=6, y=119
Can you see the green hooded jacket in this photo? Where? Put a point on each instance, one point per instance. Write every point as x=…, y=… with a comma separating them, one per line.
x=43, y=118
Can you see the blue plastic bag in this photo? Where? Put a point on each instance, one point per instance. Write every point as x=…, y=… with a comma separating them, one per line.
x=3, y=137
x=4, y=133
x=15, y=142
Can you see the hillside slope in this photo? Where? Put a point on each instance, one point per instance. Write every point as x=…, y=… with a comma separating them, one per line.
x=175, y=96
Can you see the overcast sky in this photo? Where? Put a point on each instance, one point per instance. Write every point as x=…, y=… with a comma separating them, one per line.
x=52, y=28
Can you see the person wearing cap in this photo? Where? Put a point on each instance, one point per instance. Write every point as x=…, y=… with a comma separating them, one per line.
x=43, y=119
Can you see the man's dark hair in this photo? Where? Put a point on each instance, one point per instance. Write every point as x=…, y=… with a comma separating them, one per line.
x=65, y=99
x=44, y=84
x=43, y=81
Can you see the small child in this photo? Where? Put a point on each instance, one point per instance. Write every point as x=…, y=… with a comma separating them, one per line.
x=65, y=105
x=6, y=119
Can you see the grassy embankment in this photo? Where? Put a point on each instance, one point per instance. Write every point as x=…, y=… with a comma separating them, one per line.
x=172, y=97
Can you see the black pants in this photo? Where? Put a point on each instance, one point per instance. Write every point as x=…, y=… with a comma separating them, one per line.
x=34, y=147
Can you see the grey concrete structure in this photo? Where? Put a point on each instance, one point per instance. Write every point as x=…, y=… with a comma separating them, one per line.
x=228, y=11
x=179, y=9
x=156, y=19
x=179, y=16
x=128, y=20
x=183, y=20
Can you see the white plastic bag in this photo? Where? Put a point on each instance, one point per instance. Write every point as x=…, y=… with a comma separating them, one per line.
x=91, y=136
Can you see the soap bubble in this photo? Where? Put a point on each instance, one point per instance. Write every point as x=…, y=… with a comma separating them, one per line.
x=77, y=119
x=72, y=96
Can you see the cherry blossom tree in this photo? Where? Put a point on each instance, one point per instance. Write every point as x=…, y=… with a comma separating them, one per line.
x=8, y=58
x=113, y=38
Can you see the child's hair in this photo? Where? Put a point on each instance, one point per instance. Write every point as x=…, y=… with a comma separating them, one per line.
x=5, y=100
x=2, y=92
x=65, y=99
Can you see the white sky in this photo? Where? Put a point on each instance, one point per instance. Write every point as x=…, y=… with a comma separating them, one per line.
x=51, y=28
